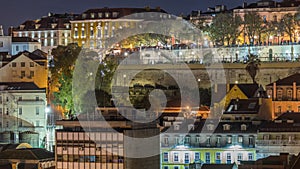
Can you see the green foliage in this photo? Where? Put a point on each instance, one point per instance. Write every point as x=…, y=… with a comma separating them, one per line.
x=61, y=75
x=63, y=96
x=224, y=28
x=253, y=25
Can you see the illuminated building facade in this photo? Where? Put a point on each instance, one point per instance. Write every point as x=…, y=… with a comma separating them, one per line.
x=94, y=26
x=99, y=146
x=22, y=112
x=50, y=31
x=230, y=142
x=285, y=95
x=281, y=135
x=25, y=67
x=270, y=10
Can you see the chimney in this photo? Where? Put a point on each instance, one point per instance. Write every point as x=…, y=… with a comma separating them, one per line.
x=1, y=31
x=294, y=91
x=274, y=91
x=216, y=88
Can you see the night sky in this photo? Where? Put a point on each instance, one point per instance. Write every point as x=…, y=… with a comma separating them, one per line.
x=15, y=12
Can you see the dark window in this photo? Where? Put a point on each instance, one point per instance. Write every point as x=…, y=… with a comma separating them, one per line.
x=22, y=64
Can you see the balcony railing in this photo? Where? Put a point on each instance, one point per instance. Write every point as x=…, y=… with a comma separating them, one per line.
x=277, y=142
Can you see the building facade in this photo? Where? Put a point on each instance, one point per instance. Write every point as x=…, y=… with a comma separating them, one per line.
x=94, y=26
x=279, y=136
x=50, y=31
x=25, y=67
x=20, y=44
x=230, y=142
x=23, y=117
x=285, y=94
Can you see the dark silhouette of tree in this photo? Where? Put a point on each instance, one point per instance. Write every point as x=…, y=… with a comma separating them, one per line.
x=253, y=24
x=253, y=66
x=224, y=28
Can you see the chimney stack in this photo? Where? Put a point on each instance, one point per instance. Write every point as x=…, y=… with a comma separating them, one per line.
x=1, y=31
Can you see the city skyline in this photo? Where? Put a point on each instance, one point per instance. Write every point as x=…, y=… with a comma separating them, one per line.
x=36, y=9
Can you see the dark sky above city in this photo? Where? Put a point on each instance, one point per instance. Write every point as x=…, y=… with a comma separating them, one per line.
x=14, y=12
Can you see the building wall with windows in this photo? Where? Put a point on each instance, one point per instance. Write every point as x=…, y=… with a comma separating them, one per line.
x=281, y=135
x=50, y=31
x=226, y=143
x=5, y=44
x=285, y=94
x=93, y=27
x=25, y=67
x=22, y=112
x=21, y=44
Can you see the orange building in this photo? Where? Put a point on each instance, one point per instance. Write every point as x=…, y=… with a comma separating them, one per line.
x=285, y=94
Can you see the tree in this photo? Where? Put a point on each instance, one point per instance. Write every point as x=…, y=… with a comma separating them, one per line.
x=289, y=25
x=224, y=28
x=269, y=30
x=253, y=67
x=253, y=25
x=61, y=76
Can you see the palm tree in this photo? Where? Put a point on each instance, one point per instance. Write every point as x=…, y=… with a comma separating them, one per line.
x=252, y=67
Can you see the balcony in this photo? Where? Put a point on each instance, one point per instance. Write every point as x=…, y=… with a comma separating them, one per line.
x=277, y=142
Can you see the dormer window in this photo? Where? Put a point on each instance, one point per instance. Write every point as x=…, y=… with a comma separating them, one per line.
x=83, y=16
x=37, y=26
x=22, y=27
x=107, y=14
x=53, y=25
x=243, y=127
x=226, y=127
x=210, y=127
x=100, y=15
x=115, y=14
x=191, y=127
x=92, y=15
x=176, y=127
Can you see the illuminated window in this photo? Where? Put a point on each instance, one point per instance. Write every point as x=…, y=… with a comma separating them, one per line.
x=197, y=156
x=187, y=140
x=100, y=15
x=197, y=139
x=250, y=156
x=229, y=139
x=31, y=74
x=92, y=32
x=240, y=139
x=218, y=158
x=240, y=157
x=228, y=158
x=166, y=157
x=186, y=158
x=207, y=157
x=175, y=157
x=107, y=14
x=279, y=109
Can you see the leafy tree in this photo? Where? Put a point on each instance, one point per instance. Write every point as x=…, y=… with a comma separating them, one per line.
x=61, y=76
x=253, y=67
x=253, y=25
x=289, y=25
x=269, y=30
x=224, y=28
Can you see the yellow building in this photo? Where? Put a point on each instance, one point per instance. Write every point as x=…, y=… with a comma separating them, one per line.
x=94, y=26
x=25, y=67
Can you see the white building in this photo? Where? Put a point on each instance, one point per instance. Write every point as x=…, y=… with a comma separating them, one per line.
x=5, y=42
x=22, y=113
x=50, y=31
x=20, y=44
